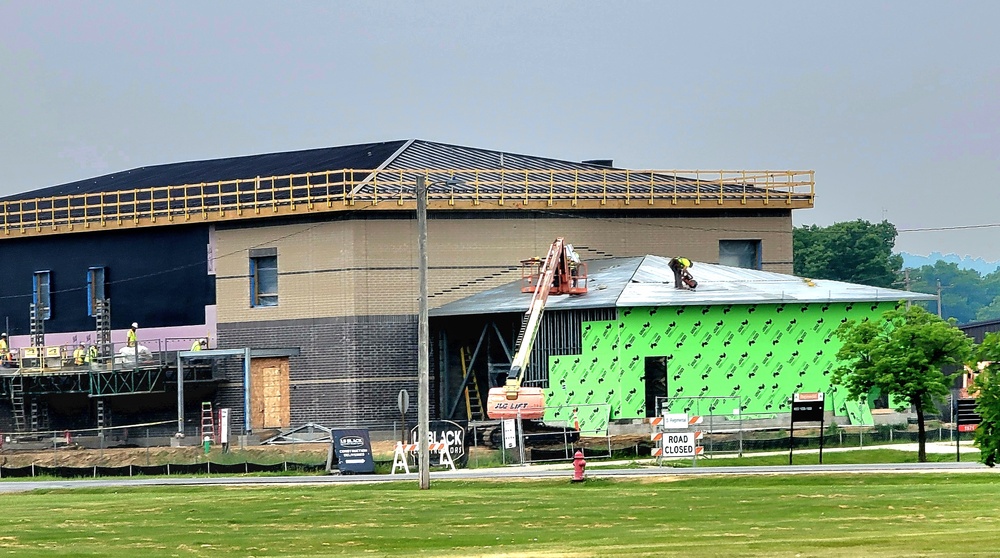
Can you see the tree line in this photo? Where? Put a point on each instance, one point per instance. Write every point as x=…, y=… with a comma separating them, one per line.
x=906, y=352
x=862, y=252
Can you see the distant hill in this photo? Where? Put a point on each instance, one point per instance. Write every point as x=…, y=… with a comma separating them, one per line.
x=964, y=262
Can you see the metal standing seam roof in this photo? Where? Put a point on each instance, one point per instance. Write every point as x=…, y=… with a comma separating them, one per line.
x=649, y=281
x=360, y=156
x=502, y=172
x=383, y=177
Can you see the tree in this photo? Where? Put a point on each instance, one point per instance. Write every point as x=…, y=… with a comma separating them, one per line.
x=987, y=437
x=903, y=354
x=852, y=251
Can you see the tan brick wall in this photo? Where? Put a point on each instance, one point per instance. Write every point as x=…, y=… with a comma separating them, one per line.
x=369, y=267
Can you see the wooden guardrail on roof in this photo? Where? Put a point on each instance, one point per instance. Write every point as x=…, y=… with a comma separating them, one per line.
x=393, y=189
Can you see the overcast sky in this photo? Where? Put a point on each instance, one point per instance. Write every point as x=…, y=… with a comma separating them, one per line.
x=895, y=105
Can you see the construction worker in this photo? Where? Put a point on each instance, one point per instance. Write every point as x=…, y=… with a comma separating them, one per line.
x=79, y=354
x=200, y=344
x=574, y=263
x=682, y=277
x=91, y=355
x=131, y=338
x=4, y=349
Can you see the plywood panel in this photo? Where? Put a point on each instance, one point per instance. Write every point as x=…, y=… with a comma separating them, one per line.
x=269, y=394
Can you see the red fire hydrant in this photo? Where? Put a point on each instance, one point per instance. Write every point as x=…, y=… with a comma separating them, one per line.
x=579, y=465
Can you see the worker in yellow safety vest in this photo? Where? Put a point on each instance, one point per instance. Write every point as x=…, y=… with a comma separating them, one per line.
x=200, y=344
x=79, y=354
x=682, y=277
x=91, y=355
x=4, y=350
x=131, y=337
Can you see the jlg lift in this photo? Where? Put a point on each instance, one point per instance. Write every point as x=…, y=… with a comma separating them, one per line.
x=561, y=272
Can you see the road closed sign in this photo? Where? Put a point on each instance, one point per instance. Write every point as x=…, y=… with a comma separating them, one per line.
x=679, y=444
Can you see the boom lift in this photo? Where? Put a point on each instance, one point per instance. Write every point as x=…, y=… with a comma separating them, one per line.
x=561, y=272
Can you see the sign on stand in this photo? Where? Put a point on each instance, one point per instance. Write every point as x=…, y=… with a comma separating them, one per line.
x=509, y=433
x=807, y=407
x=965, y=414
x=448, y=432
x=224, y=429
x=353, y=449
x=675, y=438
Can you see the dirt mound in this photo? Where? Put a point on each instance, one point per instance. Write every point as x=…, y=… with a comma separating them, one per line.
x=76, y=456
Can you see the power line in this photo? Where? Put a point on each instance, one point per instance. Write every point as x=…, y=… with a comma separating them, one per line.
x=955, y=228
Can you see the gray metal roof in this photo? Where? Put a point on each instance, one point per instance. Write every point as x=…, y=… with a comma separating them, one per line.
x=648, y=281
x=510, y=173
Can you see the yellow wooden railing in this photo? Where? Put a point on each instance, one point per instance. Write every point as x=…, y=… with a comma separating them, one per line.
x=389, y=189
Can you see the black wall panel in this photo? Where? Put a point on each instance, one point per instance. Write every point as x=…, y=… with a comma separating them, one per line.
x=155, y=276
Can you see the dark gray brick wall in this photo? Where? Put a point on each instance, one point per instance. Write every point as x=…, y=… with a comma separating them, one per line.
x=349, y=371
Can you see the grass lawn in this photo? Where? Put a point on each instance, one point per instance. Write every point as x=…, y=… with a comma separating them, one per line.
x=794, y=516
x=853, y=457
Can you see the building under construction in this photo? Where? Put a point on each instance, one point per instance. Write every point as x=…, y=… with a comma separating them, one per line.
x=300, y=269
x=737, y=346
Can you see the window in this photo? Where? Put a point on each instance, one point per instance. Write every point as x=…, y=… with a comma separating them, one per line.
x=263, y=277
x=740, y=253
x=40, y=294
x=95, y=289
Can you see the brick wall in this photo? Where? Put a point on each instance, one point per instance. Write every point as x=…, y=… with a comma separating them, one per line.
x=368, y=267
x=349, y=371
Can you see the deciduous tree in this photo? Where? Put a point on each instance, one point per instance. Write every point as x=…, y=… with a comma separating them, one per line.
x=986, y=387
x=852, y=251
x=903, y=354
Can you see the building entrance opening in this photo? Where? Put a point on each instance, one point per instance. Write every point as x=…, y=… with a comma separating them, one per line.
x=656, y=382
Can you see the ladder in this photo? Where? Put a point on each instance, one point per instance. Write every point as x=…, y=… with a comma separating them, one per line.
x=207, y=421
x=37, y=327
x=102, y=315
x=39, y=416
x=473, y=397
x=17, y=402
x=100, y=414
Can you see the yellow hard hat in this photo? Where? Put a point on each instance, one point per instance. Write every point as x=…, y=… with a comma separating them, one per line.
x=685, y=262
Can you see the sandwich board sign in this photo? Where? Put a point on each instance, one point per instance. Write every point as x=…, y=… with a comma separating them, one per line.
x=353, y=449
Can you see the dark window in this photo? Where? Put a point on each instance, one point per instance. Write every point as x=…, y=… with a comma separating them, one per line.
x=263, y=281
x=41, y=293
x=740, y=253
x=95, y=288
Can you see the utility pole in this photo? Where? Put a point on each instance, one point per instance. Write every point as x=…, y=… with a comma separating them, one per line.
x=906, y=284
x=939, y=297
x=423, y=356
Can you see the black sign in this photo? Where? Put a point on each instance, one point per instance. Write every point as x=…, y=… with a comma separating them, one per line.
x=807, y=407
x=353, y=449
x=965, y=412
x=451, y=433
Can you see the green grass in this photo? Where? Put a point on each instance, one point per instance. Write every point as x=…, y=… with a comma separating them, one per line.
x=853, y=457
x=793, y=516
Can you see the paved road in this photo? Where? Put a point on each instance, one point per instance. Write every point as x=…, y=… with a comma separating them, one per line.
x=560, y=471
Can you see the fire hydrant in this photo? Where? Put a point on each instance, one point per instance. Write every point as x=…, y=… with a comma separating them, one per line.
x=579, y=465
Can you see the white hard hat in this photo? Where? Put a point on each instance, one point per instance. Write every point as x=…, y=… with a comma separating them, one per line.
x=134, y=324
x=4, y=334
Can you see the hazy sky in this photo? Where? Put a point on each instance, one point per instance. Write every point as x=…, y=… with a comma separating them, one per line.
x=895, y=105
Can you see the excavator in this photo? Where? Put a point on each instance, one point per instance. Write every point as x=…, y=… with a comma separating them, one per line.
x=561, y=272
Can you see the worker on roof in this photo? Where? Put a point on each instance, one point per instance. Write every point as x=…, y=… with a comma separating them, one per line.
x=4, y=349
x=79, y=354
x=682, y=277
x=200, y=344
x=131, y=336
